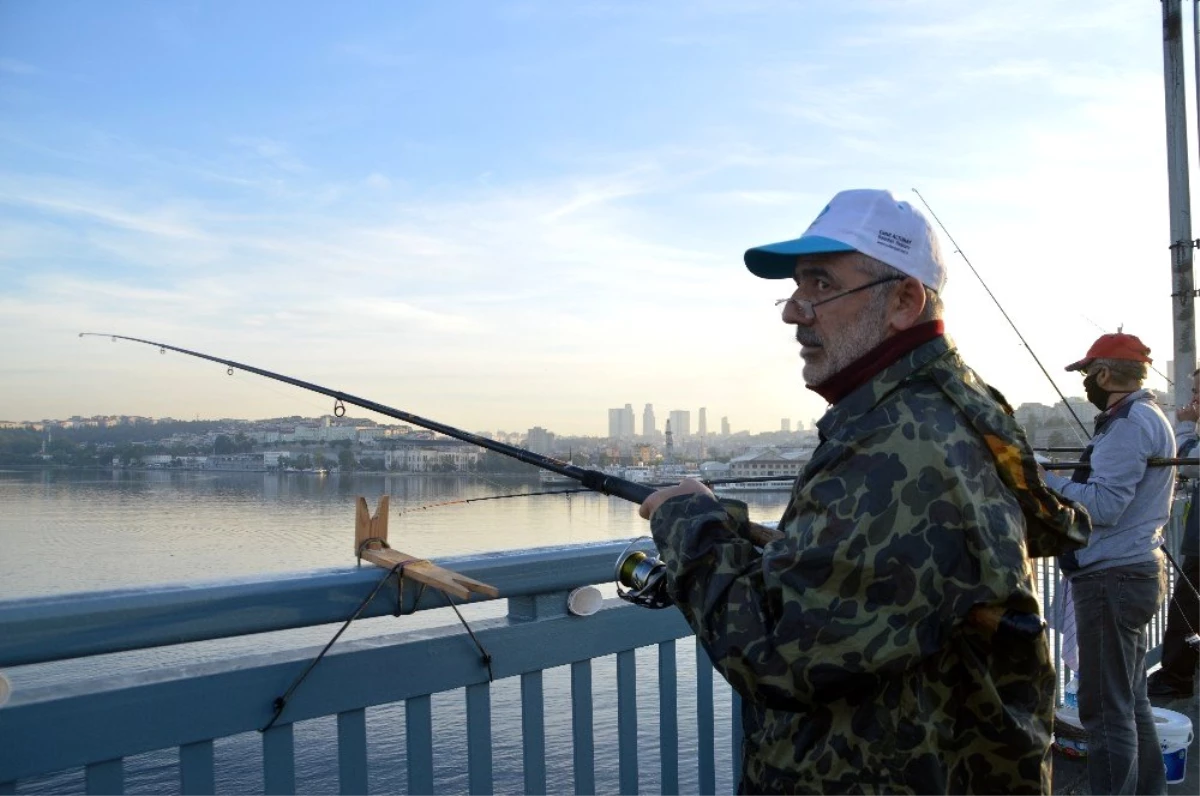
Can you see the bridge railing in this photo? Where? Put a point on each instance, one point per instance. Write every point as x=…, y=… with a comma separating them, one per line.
x=95, y=725
x=192, y=706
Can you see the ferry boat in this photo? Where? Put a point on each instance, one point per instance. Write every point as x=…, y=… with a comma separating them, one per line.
x=774, y=485
x=548, y=478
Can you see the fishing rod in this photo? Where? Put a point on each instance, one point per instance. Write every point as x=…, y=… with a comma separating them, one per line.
x=958, y=250
x=647, y=592
x=642, y=572
x=592, y=479
x=1154, y=461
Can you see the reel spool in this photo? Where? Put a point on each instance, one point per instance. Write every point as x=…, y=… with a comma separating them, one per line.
x=643, y=574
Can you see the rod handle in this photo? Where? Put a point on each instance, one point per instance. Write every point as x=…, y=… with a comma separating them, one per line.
x=617, y=487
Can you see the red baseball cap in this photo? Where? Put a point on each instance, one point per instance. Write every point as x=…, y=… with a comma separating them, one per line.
x=1114, y=346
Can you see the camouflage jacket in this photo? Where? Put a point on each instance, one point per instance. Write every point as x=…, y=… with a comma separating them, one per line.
x=848, y=638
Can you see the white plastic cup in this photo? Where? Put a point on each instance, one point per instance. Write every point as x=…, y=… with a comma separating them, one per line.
x=584, y=601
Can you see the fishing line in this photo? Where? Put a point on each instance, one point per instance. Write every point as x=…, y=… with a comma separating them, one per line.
x=1120, y=328
x=959, y=251
x=1152, y=462
x=490, y=497
x=1093, y=323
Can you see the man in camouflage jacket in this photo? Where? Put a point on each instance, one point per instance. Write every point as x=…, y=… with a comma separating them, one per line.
x=854, y=640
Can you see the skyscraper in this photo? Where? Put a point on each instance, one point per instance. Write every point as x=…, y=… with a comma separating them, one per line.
x=539, y=440
x=703, y=430
x=725, y=427
x=620, y=422
x=649, y=428
x=785, y=424
x=681, y=424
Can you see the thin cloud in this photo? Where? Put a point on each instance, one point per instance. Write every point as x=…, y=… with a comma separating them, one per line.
x=145, y=221
x=12, y=66
x=273, y=152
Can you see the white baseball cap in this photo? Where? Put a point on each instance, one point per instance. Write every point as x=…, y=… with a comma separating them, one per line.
x=869, y=221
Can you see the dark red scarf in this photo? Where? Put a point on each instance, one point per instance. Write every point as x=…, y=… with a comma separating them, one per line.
x=866, y=367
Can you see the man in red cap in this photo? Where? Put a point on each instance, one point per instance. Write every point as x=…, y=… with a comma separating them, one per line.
x=1118, y=580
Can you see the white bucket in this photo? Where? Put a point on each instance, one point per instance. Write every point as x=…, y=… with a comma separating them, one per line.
x=1174, y=736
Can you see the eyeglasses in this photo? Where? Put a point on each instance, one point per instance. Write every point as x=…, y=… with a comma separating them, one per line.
x=808, y=309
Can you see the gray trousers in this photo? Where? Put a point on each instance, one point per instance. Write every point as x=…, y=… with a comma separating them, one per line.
x=1112, y=610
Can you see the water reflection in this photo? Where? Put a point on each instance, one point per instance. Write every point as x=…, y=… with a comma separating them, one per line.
x=69, y=531
x=130, y=528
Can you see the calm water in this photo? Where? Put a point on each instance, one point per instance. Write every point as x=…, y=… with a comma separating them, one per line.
x=65, y=531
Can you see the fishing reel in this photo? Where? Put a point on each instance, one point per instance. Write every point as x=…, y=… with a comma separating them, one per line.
x=643, y=574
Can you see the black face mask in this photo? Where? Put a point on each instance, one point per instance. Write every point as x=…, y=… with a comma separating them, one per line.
x=1097, y=395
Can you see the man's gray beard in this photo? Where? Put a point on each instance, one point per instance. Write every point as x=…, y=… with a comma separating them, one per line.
x=847, y=345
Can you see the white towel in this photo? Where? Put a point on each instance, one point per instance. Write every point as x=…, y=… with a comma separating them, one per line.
x=1062, y=619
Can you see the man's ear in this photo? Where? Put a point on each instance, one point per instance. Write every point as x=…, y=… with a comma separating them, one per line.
x=907, y=305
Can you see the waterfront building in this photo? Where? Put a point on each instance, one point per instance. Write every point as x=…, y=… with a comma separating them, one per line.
x=432, y=456
x=369, y=435
x=779, y=461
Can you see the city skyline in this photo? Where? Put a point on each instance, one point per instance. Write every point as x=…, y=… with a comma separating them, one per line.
x=1054, y=414
x=515, y=214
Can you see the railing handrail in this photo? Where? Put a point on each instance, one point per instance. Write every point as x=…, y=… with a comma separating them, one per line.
x=59, y=627
x=246, y=685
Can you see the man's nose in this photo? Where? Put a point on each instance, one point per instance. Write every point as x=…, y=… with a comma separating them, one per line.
x=793, y=315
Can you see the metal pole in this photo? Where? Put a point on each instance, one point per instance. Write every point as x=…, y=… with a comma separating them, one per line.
x=1183, y=311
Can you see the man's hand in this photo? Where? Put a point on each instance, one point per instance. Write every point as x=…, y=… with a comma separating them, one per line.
x=688, y=486
x=1189, y=413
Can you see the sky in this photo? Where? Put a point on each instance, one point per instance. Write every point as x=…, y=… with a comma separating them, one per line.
x=500, y=215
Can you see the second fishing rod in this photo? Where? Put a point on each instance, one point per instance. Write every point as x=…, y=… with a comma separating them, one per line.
x=1154, y=462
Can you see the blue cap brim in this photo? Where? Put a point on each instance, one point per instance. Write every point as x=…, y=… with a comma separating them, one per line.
x=778, y=260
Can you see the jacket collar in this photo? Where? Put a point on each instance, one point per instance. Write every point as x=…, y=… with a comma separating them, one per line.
x=865, y=397
x=861, y=370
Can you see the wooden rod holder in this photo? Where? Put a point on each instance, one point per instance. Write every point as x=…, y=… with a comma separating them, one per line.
x=371, y=544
